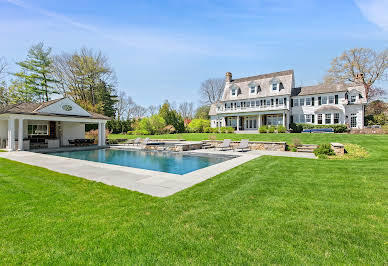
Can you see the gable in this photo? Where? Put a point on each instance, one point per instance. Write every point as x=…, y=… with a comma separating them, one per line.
x=64, y=106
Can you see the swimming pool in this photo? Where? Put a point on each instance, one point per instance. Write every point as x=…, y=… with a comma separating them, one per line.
x=174, y=163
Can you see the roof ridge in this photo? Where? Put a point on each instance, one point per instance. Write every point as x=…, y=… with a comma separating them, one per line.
x=48, y=103
x=266, y=75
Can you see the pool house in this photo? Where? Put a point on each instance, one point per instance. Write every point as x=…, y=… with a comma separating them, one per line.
x=51, y=124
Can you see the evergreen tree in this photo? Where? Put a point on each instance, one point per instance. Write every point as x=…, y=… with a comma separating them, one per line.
x=172, y=117
x=36, y=73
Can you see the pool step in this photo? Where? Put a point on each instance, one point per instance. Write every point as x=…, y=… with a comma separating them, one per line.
x=207, y=146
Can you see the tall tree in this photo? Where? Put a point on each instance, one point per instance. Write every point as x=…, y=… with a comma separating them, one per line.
x=4, y=97
x=211, y=90
x=202, y=112
x=87, y=78
x=360, y=66
x=172, y=117
x=36, y=72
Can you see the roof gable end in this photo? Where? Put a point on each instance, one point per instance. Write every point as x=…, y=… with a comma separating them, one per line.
x=63, y=106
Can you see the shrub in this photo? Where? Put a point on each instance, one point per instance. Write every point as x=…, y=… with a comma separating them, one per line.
x=338, y=128
x=229, y=130
x=325, y=150
x=93, y=134
x=215, y=130
x=130, y=132
x=208, y=130
x=263, y=129
x=197, y=125
x=170, y=129
x=271, y=130
x=223, y=129
x=281, y=129
x=296, y=142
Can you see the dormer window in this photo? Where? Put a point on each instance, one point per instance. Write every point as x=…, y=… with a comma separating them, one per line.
x=234, y=90
x=252, y=88
x=353, y=98
x=275, y=84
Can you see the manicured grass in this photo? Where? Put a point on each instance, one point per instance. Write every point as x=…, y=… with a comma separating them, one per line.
x=272, y=210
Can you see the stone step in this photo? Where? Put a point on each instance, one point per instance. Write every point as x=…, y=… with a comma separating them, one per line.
x=309, y=145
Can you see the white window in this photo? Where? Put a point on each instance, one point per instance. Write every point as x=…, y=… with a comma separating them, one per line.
x=324, y=99
x=234, y=92
x=301, y=101
x=257, y=103
x=331, y=99
x=353, y=120
x=353, y=98
x=281, y=101
x=275, y=87
x=268, y=102
x=319, y=118
x=296, y=102
x=37, y=130
x=308, y=118
x=327, y=118
x=253, y=90
x=336, y=118
x=308, y=101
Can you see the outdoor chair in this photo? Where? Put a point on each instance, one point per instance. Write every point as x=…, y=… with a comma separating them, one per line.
x=137, y=141
x=225, y=145
x=145, y=141
x=243, y=145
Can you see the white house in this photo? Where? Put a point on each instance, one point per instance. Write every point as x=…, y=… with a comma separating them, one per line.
x=272, y=99
x=51, y=124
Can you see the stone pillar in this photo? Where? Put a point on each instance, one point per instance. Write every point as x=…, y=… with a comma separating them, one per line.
x=238, y=123
x=20, y=137
x=99, y=134
x=11, y=134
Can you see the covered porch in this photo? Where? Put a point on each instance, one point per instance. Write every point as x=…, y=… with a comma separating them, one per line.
x=252, y=122
x=31, y=132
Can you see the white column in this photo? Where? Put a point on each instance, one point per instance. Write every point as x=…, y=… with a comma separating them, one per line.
x=238, y=123
x=258, y=122
x=99, y=134
x=11, y=134
x=103, y=140
x=284, y=119
x=20, y=137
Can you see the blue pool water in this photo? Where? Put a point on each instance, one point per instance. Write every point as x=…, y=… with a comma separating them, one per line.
x=174, y=163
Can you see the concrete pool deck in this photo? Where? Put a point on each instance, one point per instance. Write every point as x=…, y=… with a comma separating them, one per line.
x=154, y=183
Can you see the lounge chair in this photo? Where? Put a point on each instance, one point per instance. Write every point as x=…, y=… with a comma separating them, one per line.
x=132, y=142
x=243, y=145
x=137, y=141
x=225, y=145
x=145, y=141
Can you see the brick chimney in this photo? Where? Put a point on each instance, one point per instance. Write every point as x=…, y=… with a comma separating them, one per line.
x=228, y=77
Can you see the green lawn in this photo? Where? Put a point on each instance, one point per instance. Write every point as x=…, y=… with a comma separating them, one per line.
x=270, y=210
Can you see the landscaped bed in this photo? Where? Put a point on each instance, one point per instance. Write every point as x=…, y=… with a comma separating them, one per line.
x=272, y=210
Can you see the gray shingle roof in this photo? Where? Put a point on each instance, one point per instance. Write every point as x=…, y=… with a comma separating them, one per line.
x=265, y=76
x=33, y=108
x=318, y=89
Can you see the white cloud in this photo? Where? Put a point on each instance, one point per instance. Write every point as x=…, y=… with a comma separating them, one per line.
x=376, y=11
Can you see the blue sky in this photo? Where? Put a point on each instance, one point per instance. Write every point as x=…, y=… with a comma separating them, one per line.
x=165, y=49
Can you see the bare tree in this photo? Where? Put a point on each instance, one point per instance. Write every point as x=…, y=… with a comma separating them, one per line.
x=3, y=68
x=153, y=109
x=211, y=90
x=137, y=111
x=123, y=105
x=186, y=109
x=360, y=66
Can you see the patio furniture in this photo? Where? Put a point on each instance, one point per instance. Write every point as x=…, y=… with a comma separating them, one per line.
x=225, y=145
x=243, y=145
x=318, y=130
x=137, y=141
x=145, y=141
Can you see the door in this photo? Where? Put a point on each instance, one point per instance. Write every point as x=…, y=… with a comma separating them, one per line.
x=353, y=120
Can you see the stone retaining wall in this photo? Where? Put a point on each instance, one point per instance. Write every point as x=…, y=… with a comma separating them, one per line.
x=338, y=148
x=255, y=145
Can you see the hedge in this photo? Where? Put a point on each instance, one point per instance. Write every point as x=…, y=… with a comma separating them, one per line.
x=338, y=128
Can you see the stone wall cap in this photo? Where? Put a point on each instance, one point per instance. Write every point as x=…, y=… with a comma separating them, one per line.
x=261, y=142
x=336, y=144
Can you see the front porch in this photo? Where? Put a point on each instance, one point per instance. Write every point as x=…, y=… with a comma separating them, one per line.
x=252, y=123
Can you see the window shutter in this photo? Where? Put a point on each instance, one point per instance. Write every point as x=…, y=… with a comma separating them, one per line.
x=319, y=100
x=312, y=101
x=313, y=119
x=336, y=99
x=292, y=103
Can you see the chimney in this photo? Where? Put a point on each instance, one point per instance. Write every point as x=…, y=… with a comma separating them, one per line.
x=228, y=76
x=359, y=78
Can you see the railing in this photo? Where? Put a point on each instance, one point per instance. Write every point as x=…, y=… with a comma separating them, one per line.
x=250, y=109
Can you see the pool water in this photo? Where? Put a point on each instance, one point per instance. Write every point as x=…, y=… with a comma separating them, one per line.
x=174, y=163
